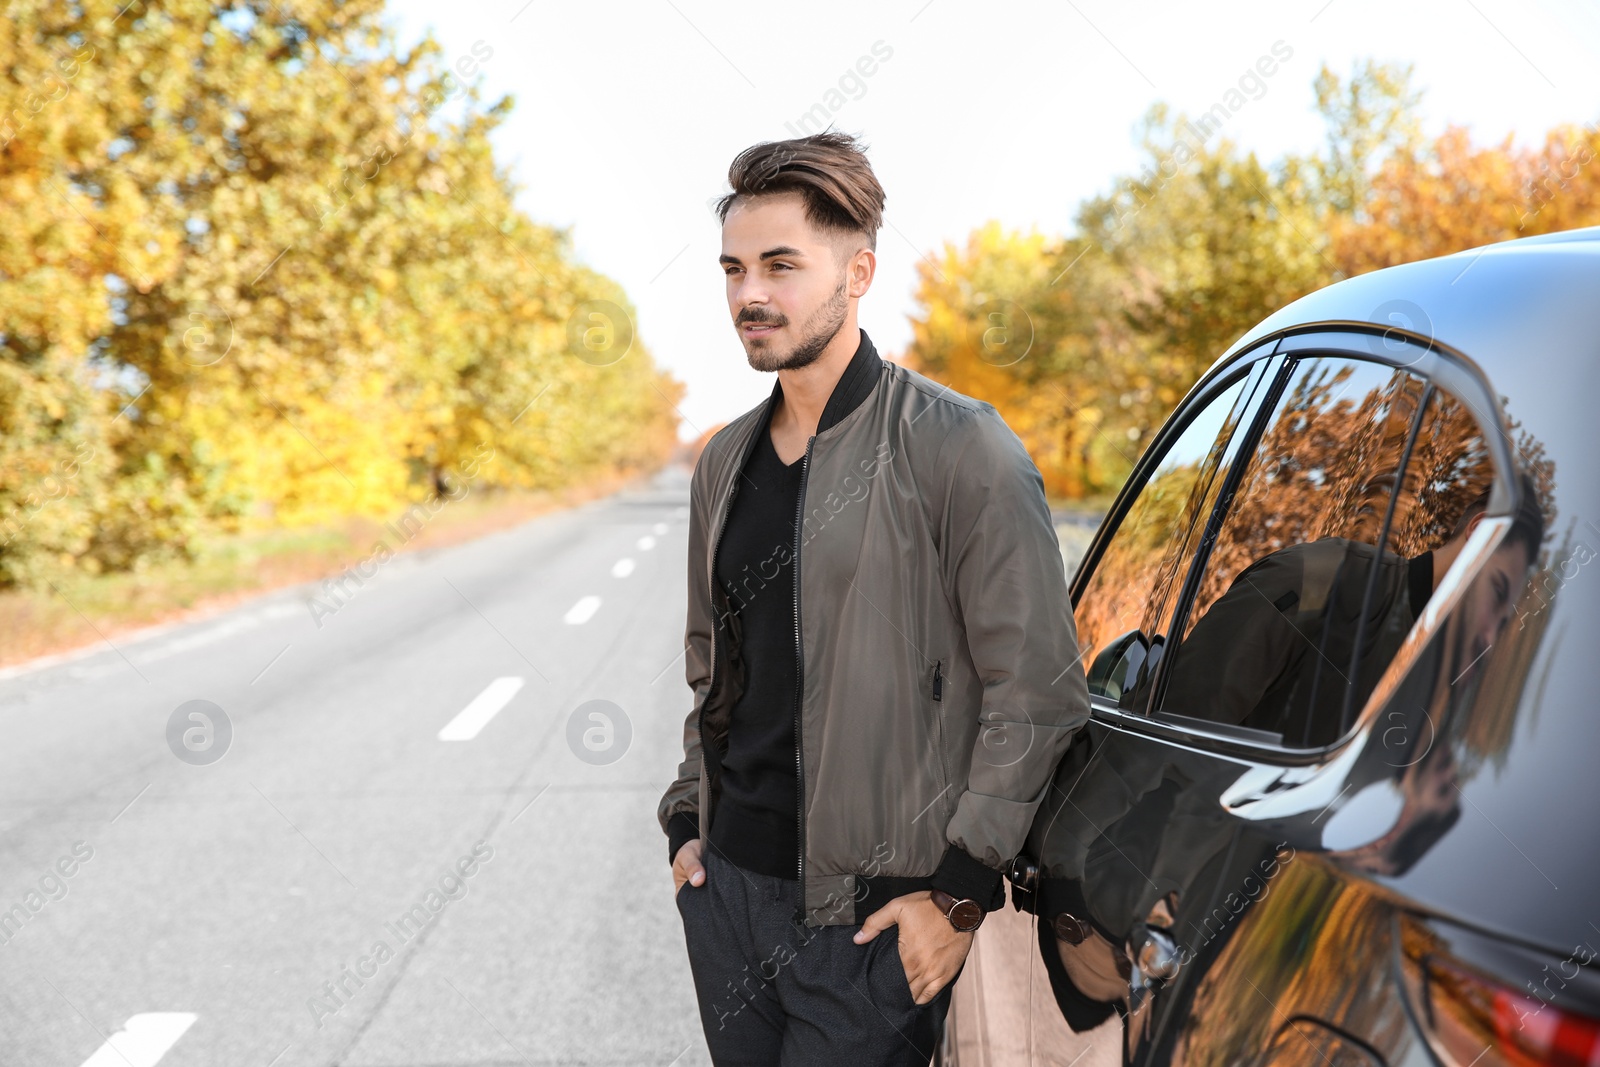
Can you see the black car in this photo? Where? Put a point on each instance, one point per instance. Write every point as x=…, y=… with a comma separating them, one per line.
x=1337, y=804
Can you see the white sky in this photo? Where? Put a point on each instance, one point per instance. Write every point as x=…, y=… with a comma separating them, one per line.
x=628, y=114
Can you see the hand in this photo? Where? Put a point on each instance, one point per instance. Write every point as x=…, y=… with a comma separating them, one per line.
x=686, y=867
x=931, y=950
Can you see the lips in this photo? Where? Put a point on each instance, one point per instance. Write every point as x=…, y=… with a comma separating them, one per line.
x=759, y=329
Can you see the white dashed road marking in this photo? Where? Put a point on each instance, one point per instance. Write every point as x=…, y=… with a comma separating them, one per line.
x=646, y=543
x=485, y=706
x=622, y=568
x=143, y=1039
x=582, y=611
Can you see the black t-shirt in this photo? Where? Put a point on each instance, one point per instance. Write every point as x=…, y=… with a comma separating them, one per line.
x=755, y=821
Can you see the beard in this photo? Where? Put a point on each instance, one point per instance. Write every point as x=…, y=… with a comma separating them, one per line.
x=815, y=335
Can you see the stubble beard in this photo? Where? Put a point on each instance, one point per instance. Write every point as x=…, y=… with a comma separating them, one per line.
x=819, y=331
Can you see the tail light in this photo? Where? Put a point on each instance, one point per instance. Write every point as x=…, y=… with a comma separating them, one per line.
x=1474, y=1020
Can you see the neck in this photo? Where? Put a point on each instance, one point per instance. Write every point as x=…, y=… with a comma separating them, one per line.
x=807, y=389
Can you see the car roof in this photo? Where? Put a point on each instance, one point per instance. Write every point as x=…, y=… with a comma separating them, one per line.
x=1491, y=303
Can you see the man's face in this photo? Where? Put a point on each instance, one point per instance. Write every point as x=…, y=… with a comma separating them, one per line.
x=787, y=292
x=1489, y=603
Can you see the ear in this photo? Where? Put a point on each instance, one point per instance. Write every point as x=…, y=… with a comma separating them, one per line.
x=860, y=271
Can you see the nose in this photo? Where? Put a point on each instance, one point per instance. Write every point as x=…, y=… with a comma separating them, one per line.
x=749, y=291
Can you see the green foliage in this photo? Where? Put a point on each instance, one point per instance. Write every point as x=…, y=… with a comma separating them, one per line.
x=1369, y=117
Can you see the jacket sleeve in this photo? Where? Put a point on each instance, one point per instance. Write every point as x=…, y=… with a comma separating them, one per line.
x=1003, y=571
x=681, y=802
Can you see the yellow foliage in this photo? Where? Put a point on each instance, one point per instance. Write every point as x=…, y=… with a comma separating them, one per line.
x=261, y=267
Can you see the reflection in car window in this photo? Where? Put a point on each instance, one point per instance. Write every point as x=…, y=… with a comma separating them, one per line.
x=1449, y=470
x=1308, y=593
x=1132, y=583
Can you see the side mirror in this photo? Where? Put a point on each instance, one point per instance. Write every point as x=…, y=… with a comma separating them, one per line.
x=1125, y=666
x=1116, y=668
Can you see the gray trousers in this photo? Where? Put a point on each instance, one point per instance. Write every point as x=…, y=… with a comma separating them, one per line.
x=772, y=991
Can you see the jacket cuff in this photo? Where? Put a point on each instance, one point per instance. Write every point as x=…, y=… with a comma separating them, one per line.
x=684, y=826
x=966, y=878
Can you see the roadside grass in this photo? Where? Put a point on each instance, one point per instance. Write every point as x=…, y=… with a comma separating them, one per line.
x=86, y=609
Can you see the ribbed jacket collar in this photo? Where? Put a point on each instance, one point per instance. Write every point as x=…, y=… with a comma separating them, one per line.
x=853, y=386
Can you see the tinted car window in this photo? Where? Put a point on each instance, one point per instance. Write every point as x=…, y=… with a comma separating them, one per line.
x=1450, y=468
x=1319, y=569
x=1121, y=610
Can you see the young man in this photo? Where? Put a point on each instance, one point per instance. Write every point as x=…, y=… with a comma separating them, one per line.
x=880, y=644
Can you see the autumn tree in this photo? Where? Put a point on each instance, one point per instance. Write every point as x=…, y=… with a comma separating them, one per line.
x=1086, y=341
x=264, y=267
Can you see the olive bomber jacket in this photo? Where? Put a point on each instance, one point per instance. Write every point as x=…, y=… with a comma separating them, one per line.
x=939, y=674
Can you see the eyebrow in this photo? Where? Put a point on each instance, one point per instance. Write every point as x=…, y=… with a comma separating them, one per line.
x=771, y=253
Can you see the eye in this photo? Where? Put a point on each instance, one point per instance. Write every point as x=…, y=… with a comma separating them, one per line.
x=784, y=266
x=730, y=270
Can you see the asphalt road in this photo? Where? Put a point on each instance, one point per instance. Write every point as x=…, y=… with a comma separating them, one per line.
x=394, y=834
x=211, y=908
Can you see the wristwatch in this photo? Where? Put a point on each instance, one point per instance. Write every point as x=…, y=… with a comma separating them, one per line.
x=964, y=915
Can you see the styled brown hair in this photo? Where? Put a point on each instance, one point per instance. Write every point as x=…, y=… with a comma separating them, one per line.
x=829, y=169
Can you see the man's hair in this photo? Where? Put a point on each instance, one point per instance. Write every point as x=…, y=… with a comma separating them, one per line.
x=1527, y=521
x=829, y=169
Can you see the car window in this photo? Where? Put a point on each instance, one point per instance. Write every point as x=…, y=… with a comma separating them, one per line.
x=1132, y=585
x=1319, y=568
x=1450, y=470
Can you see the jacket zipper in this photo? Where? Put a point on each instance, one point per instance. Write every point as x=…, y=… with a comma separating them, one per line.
x=938, y=725
x=799, y=690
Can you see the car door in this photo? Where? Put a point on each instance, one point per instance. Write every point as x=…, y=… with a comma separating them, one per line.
x=1295, y=597
x=1287, y=695
x=1125, y=591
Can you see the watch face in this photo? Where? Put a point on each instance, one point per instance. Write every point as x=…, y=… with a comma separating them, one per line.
x=1070, y=929
x=966, y=915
